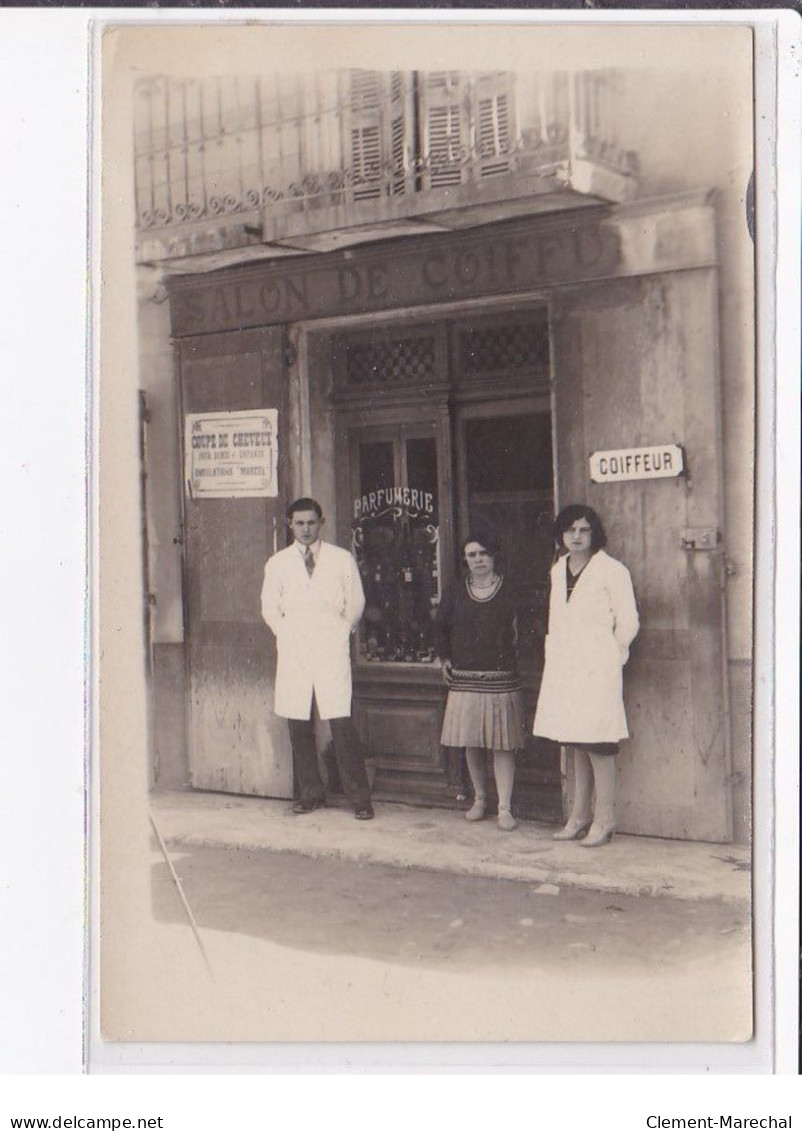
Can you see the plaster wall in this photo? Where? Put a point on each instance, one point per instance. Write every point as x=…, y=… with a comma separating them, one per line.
x=692, y=130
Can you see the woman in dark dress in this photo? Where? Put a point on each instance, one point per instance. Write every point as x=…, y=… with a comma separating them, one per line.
x=475, y=640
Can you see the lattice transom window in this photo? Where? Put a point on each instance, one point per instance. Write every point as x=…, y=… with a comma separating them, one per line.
x=494, y=349
x=391, y=362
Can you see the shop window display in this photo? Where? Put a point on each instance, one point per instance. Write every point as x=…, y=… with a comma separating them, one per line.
x=395, y=534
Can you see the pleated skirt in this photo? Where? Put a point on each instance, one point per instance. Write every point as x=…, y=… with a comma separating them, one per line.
x=485, y=709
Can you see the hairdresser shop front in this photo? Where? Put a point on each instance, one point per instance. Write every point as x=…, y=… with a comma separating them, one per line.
x=422, y=387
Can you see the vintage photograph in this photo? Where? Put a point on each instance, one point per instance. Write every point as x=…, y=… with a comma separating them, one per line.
x=427, y=401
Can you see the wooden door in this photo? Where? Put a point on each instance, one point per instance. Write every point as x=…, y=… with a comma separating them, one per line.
x=505, y=487
x=636, y=364
x=236, y=743
x=394, y=494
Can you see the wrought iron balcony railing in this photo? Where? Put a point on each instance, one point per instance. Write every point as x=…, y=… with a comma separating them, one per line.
x=221, y=162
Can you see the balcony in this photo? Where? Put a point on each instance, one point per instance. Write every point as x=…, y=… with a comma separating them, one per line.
x=281, y=166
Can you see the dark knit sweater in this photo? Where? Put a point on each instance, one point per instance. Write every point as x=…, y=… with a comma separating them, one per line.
x=476, y=635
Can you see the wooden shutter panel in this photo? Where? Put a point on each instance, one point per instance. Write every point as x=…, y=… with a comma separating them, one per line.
x=364, y=133
x=446, y=129
x=378, y=126
x=494, y=125
x=400, y=119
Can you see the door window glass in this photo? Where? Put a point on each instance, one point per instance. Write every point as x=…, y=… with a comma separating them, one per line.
x=510, y=495
x=395, y=537
x=508, y=454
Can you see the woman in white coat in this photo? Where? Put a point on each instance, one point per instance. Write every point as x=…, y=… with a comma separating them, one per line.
x=593, y=620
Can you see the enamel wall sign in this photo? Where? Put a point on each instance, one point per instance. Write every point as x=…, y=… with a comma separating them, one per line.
x=664, y=461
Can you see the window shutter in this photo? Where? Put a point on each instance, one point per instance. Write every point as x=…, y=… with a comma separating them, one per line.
x=445, y=117
x=495, y=129
x=378, y=124
x=364, y=134
x=399, y=126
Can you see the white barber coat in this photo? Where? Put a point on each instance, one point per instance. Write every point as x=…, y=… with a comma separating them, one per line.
x=581, y=696
x=312, y=619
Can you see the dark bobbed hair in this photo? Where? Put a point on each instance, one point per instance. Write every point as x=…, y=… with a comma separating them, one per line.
x=489, y=541
x=304, y=505
x=571, y=514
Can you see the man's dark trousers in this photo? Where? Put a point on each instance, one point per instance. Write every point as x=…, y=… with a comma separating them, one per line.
x=350, y=763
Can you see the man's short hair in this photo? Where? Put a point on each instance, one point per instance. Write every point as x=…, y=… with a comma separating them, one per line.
x=304, y=505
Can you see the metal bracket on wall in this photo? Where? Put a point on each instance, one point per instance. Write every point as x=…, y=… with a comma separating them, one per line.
x=699, y=538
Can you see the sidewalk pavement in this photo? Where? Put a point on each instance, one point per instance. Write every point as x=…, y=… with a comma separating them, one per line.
x=441, y=840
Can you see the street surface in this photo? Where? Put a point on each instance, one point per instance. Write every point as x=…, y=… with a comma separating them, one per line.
x=439, y=920
x=329, y=950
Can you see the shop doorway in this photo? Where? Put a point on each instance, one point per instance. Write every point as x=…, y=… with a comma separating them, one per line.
x=458, y=439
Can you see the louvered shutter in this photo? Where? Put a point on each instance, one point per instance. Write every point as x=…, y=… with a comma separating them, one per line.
x=494, y=123
x=446, y=138
x=400, y=120
x=378, y=122
x=364, y=133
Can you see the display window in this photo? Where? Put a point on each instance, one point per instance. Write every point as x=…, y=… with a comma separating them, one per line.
x=395, y=536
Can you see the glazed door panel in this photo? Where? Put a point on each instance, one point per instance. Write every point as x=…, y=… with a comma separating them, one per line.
x=394, y=496
x=237, y=744
x=636, y=364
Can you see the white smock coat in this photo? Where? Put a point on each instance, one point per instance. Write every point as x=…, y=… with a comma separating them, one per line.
x=312, y=619
x=581, y=696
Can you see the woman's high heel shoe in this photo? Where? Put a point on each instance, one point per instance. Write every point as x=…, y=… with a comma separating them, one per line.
x=573, y=830
x=599, y=835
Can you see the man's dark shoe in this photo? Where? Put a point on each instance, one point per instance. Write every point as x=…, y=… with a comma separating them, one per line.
x=306, y=806
x=364, y=813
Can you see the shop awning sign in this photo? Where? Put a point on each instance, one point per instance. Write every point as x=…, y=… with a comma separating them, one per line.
x=232, y=455
x=663, y=461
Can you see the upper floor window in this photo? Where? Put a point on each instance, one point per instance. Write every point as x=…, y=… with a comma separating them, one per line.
x=220, y=162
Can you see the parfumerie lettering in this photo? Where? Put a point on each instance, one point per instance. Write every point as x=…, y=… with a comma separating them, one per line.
x=420, y=501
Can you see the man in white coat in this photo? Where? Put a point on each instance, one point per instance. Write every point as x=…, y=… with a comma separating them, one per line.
x=312, y=600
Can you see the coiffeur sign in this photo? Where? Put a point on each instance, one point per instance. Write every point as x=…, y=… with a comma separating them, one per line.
x=232, y=455
x=664, y=461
